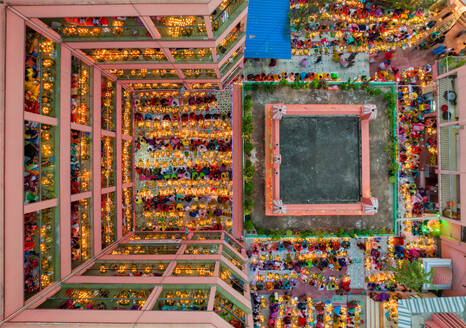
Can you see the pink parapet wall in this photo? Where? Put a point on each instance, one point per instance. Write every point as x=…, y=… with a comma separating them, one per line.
x=237, y=163
x=456, y=251
x=273, y=204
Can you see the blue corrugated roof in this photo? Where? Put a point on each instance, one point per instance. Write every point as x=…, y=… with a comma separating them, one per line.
x=268, y=29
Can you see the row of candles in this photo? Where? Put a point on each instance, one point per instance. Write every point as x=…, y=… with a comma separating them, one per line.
x=202, y=160
x=144, y=73
x=126, y=54
x=39, y=250
x=73, y=27
x=174, y=122
x=174, y=109
x=80, y=92
x=194, y=269
x=127, y=113
x=229, y=311
x=40, y=74
x=107, y=105
x=176, y=220
x=108, y=219
x=80, y=231
x=127, y=161
x=107, y=162
x=80, y=162
x=210, y=188
x=85, y=298
x=39, y=162
x=135, y=268
x=184, y=299
x=128, y=210
x=189, y=133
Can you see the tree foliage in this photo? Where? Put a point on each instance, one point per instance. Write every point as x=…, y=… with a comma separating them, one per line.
x=411, y=274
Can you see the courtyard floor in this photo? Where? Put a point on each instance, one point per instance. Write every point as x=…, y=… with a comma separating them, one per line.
x=381, y=188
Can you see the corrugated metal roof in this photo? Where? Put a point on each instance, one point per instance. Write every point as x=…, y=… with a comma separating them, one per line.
x=268, y=29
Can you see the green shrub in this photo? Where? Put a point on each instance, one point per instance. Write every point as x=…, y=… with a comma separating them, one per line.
x=248, y=188
x=247, y=119
x=365, y=85
x=247, y=129
x=248, y=224
x=374, y=91
x=247, y=105
x=248, y=206
x=392, y=179
x=249, y=172
x=248, y=147
x=389, y=97
x=354, y=86
x=412, y=275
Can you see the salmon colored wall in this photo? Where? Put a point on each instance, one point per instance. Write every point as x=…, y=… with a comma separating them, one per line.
x=457, y=252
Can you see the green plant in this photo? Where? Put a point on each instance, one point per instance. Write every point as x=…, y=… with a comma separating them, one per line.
x=247, y=104
x=411, y=275
x=276, y=235
x=394, y=166
x=247, y=128
x=354, y=86
x=248, y=147
x=248, y=205
x=392, y=179
x=248, y=188
x=248, y=224
x=323, y=84
x=249, y=170
x=365, y=85
x=268, y=87
x=320, y=234
x=374, y=91
x=247, y=119
x=389, y=96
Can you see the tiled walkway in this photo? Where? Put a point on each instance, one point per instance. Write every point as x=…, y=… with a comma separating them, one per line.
x=356, y=269
x=360, y=67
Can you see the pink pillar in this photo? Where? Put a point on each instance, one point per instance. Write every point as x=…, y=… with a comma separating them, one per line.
x=96, y=173
x=65, y=157
x=210, y=304
x=152, y=299
x=208, y=26
x=2, y=147
x=14, y=97
x=150, y=27
x=365, y=159
x=456, y=251
x=237, y=163
x=132, y=156
x=118, y=159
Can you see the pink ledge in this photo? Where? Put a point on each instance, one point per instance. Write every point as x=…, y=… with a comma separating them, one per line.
x=367, y=206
